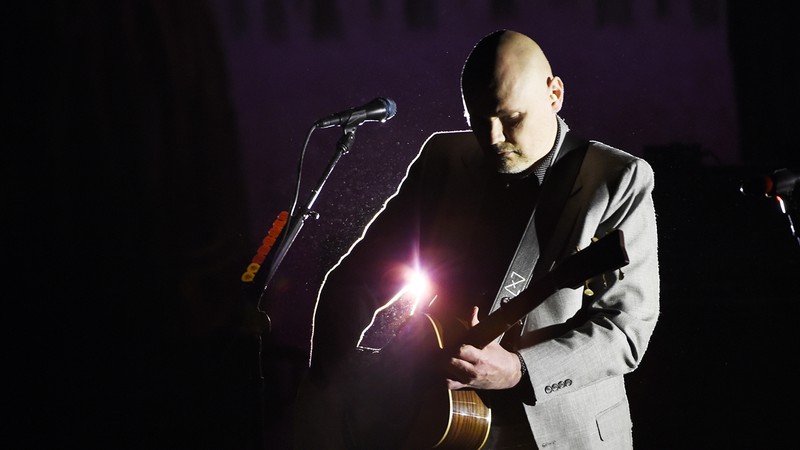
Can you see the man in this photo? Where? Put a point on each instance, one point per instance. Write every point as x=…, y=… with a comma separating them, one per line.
x=555, y=380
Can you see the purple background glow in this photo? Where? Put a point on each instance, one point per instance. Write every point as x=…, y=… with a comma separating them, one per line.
x=152, y=143
x=634, y=77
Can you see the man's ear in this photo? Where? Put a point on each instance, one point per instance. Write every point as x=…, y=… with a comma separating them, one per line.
x=556, y=87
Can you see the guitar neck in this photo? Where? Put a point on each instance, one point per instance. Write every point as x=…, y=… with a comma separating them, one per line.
x=607, y=253
x=499, y=321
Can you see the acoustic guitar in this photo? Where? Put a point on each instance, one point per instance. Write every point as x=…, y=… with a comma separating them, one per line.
x=394, y=402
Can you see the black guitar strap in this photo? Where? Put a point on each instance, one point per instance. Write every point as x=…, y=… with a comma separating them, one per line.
x=556, y=187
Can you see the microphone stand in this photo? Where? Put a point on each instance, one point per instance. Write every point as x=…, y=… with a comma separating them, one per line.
x=788, y=216
x=787, y=191
x=258, y=287
x=298, y=219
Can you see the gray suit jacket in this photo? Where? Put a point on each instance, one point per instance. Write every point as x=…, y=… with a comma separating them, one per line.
x=577, y=348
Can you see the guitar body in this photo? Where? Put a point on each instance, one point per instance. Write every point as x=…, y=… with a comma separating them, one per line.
x=397, y=402
x=449, y=419
x=452, y=420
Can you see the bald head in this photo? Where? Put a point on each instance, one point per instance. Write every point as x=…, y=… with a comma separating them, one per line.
x=511, y=99
x=498, y=56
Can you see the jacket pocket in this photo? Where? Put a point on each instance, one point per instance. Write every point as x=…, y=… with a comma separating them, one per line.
x=614, y=422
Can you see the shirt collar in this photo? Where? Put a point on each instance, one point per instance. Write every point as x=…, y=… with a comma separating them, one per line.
x=541, y=166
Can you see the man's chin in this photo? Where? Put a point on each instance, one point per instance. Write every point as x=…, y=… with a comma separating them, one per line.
x=508, y=165
x=505, y=170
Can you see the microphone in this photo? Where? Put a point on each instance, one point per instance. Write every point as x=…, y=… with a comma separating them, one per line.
x=380, y=109
x=781, y=182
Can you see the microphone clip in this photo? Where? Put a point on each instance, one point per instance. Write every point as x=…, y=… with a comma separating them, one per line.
x=345, y=142
x=782, y=182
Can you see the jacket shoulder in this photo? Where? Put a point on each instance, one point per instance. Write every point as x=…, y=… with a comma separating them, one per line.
x=459, y=141
x=603, y=157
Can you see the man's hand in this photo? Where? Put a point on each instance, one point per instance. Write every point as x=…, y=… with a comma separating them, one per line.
x=492, y=367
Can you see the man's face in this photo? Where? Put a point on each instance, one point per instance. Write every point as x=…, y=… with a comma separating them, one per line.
x=514, y=119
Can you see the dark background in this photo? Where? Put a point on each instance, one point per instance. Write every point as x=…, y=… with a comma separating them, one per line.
x=150, y=145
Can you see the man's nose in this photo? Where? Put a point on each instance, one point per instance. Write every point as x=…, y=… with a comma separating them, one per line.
x=496, y=131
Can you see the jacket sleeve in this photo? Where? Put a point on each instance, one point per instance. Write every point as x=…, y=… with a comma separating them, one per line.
x=366, y=277
x=606, y=334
